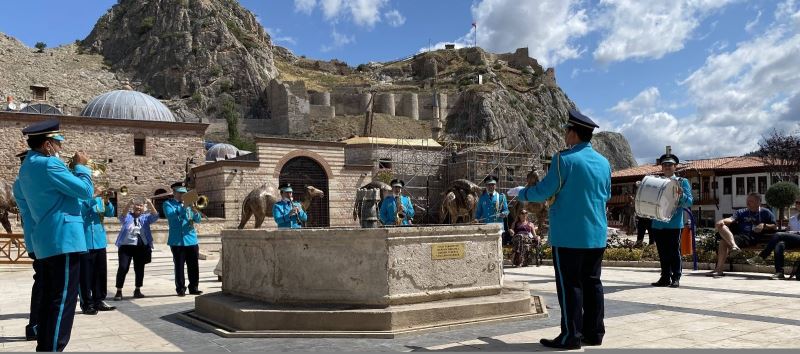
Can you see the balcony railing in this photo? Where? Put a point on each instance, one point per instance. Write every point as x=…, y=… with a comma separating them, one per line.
x=704, y=198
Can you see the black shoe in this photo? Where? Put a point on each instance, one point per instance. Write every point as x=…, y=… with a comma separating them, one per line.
x=30, y=332
x=103, y=307
x=661, y=283
x=138, y=294
x=182, y=292
x=591, y=342
x=118, y=295
x=675, y=284
x=555, y=343
x=195, y=292
x=90, y=311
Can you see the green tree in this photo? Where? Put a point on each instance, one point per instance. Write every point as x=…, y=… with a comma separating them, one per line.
x=40, y=46
x=782, y=195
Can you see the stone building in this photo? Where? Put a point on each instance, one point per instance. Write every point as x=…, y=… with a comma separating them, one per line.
x=145, y=147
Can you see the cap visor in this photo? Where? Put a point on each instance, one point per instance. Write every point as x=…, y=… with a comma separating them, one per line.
x=57, y=137
x=287, y=190
x=180, y=190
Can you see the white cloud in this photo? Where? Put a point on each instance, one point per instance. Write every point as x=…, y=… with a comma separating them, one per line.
x=305, y=6
x=750, y=25
x=339, y=40
x=648, y=29
x=394, y=18
x=644, y=103
x=365, y=13
x=737, y=96
x=547, y=27
x=275, y=33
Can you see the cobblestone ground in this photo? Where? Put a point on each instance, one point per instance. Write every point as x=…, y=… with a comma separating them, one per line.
x=740, y=310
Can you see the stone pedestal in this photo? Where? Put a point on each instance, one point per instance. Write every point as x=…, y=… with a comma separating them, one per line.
x=365, y=282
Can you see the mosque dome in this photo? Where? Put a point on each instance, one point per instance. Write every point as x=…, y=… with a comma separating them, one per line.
x=222, y=151
x=128, y=104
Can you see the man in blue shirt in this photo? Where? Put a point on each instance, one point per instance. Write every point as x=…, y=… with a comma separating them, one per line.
x=287, y=213
x=182, y=240
x=751, y=223
x=580, y=180
x=390, y=209
x=492, y=205
x=94, y=268
x=48, y=195
x=668, y=234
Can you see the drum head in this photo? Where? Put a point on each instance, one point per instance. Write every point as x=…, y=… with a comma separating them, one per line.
x=656, y=198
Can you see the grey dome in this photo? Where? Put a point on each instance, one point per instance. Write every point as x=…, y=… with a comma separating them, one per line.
x=221, y=151
x=127, y=104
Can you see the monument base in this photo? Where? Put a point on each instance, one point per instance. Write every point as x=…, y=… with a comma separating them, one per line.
x=234, y=316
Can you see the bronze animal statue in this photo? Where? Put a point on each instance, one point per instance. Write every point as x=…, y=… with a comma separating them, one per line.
x=7, y=204
x=368, y=202
x=259, y=203
x=537, y=210
x=459, y=202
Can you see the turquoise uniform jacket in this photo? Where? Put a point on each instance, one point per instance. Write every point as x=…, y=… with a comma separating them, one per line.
x=91, y=210
x=50, y=194
x=280, y=212
x=181, y=222
x=684, y=201
x=388, y=212
x=491, y=209
x=578, y=215
x=25, y=214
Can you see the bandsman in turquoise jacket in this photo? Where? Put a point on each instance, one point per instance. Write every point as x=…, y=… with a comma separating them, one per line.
x=49, y=196
x=492, y=205
x=182, y=240
x=287, y=213
x=389, y=206
x=94, y=267
x=668, y=234
x=580, y=180
x=36, y=289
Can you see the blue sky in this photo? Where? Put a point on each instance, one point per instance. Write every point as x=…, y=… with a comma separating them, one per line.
x=708, y=77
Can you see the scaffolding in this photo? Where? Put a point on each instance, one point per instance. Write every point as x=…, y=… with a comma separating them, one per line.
x=429, y=167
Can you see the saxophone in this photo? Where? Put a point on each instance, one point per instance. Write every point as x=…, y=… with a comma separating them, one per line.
x=401, y=212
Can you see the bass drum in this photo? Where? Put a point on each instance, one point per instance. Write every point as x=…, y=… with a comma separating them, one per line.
x=657, y=198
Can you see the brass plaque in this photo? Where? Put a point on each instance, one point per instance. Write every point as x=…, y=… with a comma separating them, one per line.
x=454, y=250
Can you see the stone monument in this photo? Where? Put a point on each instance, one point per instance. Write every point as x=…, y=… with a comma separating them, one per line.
x=354, y=282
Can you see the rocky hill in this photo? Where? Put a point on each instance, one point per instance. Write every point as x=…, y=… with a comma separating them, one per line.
x=186, y=51
x=195, y=54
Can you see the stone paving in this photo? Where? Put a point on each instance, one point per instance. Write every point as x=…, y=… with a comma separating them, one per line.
x=741, y=310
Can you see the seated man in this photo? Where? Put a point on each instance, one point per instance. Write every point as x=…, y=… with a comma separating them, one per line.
x=751, y=221
x=779, y=242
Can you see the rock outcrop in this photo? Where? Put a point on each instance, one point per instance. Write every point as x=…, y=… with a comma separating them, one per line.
x=187, y=51
x=615, y=148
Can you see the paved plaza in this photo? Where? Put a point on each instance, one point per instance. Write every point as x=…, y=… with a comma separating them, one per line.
x=740, y=310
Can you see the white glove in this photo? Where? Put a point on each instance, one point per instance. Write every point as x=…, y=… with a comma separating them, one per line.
x=513, y=192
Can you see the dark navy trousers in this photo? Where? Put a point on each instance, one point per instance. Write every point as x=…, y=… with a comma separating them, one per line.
x=668, y=243
x=187, y=255
x=93, y=280
x=59, y=298
x=580, y=294
x=36, y=297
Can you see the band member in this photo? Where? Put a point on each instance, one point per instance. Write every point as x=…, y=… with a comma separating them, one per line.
x=135, y=242
x=36, y=289
x=580, y=180
x=668, y=234
x=397, y=209
x=49, y=199
x=288, y=213
x=94, y=269
x=492, y=205
x=182, y=240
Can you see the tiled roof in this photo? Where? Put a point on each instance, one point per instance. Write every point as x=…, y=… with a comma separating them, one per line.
x=716, y=164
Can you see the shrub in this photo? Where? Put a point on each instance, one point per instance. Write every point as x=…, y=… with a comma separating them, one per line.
x=40, y=46
x=782, y=195
x=147, y=24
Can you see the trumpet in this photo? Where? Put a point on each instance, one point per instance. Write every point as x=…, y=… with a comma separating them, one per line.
x=98, y=168
x=196, y=200
x=401, y=212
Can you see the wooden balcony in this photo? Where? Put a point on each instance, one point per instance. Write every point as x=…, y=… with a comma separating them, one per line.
x=705, y=198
